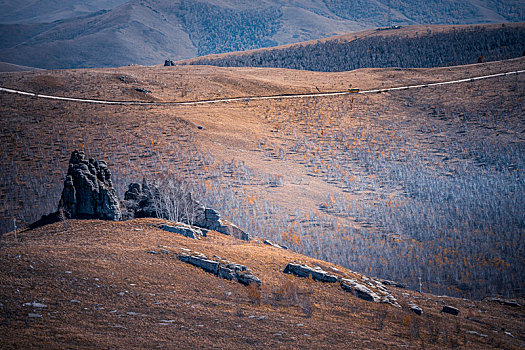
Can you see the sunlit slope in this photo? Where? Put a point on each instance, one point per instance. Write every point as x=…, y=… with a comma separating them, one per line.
x=431, y=178
x=87, y=284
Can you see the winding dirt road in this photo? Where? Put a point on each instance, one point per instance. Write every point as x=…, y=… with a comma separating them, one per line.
x=254, y=98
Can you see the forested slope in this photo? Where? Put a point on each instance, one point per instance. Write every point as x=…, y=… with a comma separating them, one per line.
x=425, y=49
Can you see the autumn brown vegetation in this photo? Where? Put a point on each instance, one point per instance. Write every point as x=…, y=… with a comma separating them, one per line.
x=403, y=185
x=100, y=286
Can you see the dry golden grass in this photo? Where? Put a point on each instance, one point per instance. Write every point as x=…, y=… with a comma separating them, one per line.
x=103, y=289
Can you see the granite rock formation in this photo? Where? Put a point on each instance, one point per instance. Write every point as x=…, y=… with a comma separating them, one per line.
x=88, y=191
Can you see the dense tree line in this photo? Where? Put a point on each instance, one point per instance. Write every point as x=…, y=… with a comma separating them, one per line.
x=215, y=29
x=425, y=50
x=428, y=12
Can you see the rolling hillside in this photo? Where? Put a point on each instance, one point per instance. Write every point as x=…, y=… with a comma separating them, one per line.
x=432, y=178
x=46, y=11
x=148, y=31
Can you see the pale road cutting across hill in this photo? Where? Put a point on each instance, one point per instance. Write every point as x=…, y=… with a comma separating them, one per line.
x=251, y=98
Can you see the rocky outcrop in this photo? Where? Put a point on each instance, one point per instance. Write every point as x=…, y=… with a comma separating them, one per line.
x=143, y=201
x=273, y=244
x=364, y=288
x=168, y=63
x=450, y=310
x=317, y=274
x=88, y=191
x=146, y=200
x=415, y=309
x=221, y=268
x=393, y=283
x=210, y=219
x=361, y=291
x=184, y=230
x=88, y=194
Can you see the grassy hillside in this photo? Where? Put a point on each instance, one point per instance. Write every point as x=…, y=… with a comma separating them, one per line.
x=95, y=284
x=431, y=178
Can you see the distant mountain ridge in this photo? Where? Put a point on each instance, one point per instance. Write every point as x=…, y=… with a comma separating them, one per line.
x=148, y=31
x=46, y=11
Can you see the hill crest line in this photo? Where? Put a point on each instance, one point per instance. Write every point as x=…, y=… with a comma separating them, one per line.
x=250, y=98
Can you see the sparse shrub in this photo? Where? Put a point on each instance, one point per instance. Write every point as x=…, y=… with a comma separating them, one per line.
x=254, y=294
x=412, y=323
x=433, y=332
x=287, y=292
x=381, y=315
x=304, y=300
x=62, y=217
x=290, y=294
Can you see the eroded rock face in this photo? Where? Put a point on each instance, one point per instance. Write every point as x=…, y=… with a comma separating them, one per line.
x=88, y=191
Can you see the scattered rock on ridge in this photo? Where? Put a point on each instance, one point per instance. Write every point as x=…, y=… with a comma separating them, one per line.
x=393, y=283
x=512, y=303
x=143, y=90
x=210, y=219
x=416, y=309
x=185, y=230
x=221, y=268
x=270, y=243
x=359, y=290
x=127, y=79
x=317, y=273
x=88, y=192
x=450, y=310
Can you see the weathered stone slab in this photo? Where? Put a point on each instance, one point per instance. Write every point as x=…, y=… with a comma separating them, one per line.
x=275, y=245
x=247, y=279
x=205, y=264
x=183, y=230
x=359, y=290
x=223, y=268
x=306, y=271
x=450, y=310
